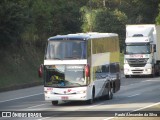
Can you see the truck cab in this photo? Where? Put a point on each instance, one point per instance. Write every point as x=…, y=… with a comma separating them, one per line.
x=140, y=56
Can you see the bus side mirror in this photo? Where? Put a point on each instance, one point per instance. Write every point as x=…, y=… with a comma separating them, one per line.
x=40, y=71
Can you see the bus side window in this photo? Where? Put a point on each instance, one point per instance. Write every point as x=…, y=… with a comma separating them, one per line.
x=113, y=68
x=104, y=69
x=98, y=69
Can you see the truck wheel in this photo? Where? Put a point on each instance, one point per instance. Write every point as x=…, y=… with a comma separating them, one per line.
x=54, y=102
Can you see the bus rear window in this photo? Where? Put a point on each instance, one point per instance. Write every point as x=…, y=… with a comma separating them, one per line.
x=65, y=49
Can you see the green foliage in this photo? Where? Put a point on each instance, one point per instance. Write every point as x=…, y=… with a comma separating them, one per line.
x=140, y=11
x=66, y=17
x=88, y=19
x=104, y=20
x=158, y=20
x=12, y=21
x=111, y=21
x=158, y=17
x=113, y=15
x=33, y=21
x=39, y=27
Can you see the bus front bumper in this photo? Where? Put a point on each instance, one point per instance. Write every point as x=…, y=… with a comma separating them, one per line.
x=75, y=97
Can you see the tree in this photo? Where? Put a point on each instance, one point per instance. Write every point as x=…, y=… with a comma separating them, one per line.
x=12, y=21
x=111, y=22
x=140, y=11
x=66, y=16
x=52, y=17
x=158, y=17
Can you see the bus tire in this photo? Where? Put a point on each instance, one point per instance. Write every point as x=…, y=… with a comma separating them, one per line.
x=90, y=101
x=109, y=95
x=54, y=102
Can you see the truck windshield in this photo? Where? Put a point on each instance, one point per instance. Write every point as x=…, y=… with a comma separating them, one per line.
x=137, y=49
x=66, y=49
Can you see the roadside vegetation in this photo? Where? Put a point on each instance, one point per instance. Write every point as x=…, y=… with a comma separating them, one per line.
x=25, y=26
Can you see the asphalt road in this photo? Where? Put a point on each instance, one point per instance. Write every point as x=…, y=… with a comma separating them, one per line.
x=136, y=94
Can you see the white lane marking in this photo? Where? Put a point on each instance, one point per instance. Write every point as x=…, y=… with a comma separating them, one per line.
x=137, y=109
x=133, y=95
x=153, y=80
x=43, y=118
x=35, y=106
x=146, y=81
x=109, y=118
x=150, y=80
x=147, y=106
x=20, y=98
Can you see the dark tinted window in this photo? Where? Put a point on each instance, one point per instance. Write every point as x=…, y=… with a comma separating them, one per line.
x=113, y=68
x=65, y=49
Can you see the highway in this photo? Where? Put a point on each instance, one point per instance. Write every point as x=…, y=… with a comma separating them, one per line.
x=136, y=94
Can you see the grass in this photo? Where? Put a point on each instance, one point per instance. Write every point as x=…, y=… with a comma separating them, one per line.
x=19, y=66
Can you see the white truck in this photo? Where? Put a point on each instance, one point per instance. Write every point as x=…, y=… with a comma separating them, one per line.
x=142, y=50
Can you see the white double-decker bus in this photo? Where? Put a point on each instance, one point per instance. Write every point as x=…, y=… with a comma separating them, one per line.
x=81, y=67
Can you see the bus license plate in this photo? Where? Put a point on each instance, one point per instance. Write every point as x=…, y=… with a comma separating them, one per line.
x=64, y=98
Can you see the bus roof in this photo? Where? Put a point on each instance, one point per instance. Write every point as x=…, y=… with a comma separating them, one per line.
x=82, y=36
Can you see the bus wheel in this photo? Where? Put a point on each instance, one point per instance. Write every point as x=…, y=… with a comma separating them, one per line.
x=110, y=92
x=54, y=102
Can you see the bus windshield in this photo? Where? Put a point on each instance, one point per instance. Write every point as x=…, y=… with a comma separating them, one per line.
x=64, y=76
x=66, y=49
x=137, y=49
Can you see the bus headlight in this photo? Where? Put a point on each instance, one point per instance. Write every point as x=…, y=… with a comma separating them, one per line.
x=81, y=92
x=148, y=70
